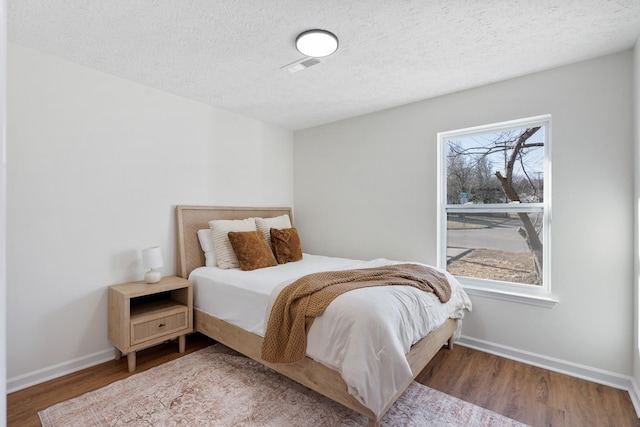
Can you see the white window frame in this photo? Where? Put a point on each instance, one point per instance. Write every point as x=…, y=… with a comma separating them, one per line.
x=515, y=292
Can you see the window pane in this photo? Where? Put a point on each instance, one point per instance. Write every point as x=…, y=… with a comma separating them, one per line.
x=493, y=246
x=496, y=167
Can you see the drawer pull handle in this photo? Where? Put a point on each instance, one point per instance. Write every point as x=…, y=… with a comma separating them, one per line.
x=162, y=324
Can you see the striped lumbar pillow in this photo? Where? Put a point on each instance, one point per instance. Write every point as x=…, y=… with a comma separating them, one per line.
x=220, y=229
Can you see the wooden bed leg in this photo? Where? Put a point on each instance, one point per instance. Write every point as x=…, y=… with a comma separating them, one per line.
x=374, y=423
x=450, y=343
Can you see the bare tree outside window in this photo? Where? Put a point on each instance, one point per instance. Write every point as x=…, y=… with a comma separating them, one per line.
x=494, y=198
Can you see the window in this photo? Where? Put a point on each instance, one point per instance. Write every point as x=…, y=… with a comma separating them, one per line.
x=494, y=194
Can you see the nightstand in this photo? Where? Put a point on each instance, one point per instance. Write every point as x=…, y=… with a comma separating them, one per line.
x=142, y=315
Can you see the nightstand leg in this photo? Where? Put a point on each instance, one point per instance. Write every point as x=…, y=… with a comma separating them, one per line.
x=182, y=339
x=131, y=361
x=118, y=354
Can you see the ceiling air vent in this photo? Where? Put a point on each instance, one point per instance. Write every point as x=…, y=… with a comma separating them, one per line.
x=301, y=64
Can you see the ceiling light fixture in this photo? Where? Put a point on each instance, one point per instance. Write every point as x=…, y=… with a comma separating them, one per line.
x=316, y=43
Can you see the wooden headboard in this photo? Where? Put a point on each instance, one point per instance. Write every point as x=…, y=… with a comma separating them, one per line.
x=190, y=219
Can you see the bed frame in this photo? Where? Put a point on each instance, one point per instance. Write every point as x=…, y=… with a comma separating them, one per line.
x=308, y=372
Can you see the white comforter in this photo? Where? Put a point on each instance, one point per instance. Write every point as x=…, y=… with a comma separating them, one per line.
x=364, y=334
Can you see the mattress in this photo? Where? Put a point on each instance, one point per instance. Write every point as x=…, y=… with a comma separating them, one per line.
x=364, y=334
x=242, y=297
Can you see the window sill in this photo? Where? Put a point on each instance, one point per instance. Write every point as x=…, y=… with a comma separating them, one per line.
x=536, y=300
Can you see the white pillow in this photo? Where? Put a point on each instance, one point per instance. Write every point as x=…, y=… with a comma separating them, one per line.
x=220, y=229
x=266, y=224
x=206, y=243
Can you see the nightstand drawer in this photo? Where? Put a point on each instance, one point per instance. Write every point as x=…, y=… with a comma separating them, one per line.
x=160, y=324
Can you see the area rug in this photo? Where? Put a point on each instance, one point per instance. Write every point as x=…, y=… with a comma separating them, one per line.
x=216, y=386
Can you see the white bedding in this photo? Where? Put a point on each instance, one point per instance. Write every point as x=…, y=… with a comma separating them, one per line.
x=369, y=330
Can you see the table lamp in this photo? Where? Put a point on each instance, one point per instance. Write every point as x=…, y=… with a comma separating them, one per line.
x=152, y=259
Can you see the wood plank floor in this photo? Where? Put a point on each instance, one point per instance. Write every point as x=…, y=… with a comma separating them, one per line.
x=531, y=395
x=522, y=392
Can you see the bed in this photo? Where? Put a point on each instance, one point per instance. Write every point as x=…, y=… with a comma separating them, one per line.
x=315, y=375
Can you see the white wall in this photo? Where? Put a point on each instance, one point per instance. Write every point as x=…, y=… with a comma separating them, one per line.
x=3, y=208
x=366, y=187
x=97, y=165
x=636, y=284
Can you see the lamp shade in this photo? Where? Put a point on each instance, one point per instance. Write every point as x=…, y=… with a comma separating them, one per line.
x=152, y=257
x=316, y=43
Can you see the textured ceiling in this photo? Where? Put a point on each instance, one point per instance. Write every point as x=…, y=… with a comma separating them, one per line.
x=228, y=53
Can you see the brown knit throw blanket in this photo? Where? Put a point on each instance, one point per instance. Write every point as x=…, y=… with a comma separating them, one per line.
x=298, y=304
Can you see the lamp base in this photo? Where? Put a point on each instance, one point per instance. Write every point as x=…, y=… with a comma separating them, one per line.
x=152, y=276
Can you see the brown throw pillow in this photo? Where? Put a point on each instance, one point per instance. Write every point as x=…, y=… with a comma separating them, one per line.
x=286, y=245
x=251, y=249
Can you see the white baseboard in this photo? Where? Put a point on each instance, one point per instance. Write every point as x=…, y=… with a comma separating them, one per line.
x=45, y=374
x=600, y=376
x=634, y=394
